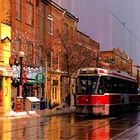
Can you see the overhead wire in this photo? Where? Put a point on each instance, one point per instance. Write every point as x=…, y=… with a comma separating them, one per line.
x=126, y=27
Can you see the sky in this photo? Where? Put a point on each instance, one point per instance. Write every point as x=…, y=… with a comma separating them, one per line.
x=112, y=23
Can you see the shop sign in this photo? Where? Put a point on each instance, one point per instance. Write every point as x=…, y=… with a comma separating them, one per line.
x=16, y=71
x=31, y=72
x=6, y=71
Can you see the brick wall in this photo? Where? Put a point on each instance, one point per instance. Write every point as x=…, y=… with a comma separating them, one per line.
x=22, y=31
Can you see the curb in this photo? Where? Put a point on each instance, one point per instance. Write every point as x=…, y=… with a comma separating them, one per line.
x=37, y=113
x=56, y=112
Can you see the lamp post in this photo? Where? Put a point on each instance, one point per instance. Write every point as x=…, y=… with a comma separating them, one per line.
x=19, y=99
x=21, y=55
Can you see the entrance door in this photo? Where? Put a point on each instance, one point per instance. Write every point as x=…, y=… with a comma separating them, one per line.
x=54, y=93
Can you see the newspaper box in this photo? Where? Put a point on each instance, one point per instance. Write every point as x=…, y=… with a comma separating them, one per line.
x=32, y=103
x=19, y=104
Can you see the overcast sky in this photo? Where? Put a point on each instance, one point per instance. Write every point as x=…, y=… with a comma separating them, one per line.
x=112, y=23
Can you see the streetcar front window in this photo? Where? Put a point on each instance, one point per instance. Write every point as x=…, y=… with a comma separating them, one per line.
x=87, y=84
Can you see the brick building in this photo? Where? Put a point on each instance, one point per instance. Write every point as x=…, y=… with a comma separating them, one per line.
x=23, y=35
x=87, y=43
x=45, y=32
x=59, y=22
x=116, y=59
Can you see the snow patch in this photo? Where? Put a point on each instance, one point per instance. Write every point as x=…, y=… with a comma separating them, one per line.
x=14, y=114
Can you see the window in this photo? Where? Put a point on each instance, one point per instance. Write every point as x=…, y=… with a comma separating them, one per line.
x=54, y=93
x=29, y=13
x=50, y=24
x=87, y=84
x=18, y=9
x=117, y=85
x=49, y=59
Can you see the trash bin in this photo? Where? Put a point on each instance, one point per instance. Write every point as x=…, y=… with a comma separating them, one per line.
x=42, y=105
x=32, y=103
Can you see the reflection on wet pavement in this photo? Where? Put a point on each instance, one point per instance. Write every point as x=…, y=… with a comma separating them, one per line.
x=70, y=127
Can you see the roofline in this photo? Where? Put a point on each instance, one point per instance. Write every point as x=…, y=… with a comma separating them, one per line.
x=61, y=9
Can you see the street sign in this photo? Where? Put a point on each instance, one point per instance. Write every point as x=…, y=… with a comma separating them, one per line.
x=40, y=78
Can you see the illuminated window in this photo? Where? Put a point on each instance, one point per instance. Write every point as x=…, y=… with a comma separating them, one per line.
x=18, y=9
x=50, y=24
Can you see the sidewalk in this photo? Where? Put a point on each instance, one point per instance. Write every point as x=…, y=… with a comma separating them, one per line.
x=58, y=110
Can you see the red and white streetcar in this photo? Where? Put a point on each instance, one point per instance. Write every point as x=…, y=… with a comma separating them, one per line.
x=105, y=92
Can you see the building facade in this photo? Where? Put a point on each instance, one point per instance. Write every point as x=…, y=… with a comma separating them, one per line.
x=86, y=43
x=48, y=36
x=116, y=59
x=61, y=24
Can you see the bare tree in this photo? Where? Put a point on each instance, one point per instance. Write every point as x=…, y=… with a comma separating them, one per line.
x=75, y=55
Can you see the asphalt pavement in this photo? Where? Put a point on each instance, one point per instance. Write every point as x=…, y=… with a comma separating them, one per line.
x=130, y=133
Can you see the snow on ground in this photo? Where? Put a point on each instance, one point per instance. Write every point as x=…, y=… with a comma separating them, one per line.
x=14, y=114
x=62, y=108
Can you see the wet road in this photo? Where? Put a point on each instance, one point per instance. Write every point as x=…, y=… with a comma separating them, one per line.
x=68, y=127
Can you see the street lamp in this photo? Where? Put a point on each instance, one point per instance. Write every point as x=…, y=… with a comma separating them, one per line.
x=19, y=99
x=21, y=55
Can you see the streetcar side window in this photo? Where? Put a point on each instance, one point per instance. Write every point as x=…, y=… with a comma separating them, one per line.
x=105, y=85
x=108, y=84
x=101, y=87
x=86, y=84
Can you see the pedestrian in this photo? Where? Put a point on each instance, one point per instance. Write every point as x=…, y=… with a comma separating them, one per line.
x=68, y=101
x=50, y=106
x=74, y=99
